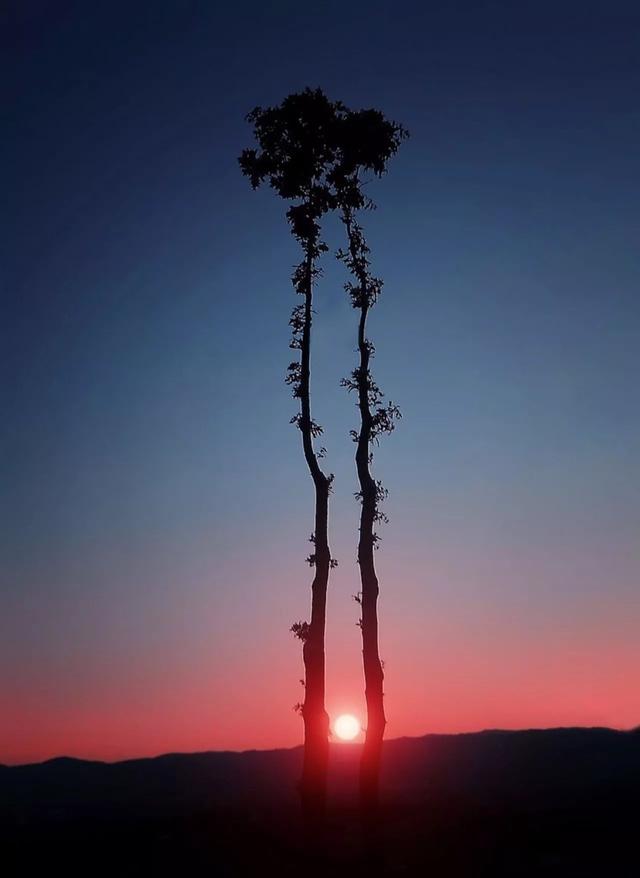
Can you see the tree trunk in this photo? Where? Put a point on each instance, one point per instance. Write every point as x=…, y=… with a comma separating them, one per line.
x=373, y=673
x=313, y=785
x=375, y=418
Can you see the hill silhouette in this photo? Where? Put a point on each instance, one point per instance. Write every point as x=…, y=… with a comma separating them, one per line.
x=553, y=802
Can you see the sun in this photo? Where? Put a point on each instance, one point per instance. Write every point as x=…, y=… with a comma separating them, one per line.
x=346, y=727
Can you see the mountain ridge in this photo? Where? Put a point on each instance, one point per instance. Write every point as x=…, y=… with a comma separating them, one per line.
x=439, y=735
x=531, y=802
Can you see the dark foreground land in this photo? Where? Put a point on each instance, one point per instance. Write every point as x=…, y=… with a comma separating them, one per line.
x=559, y=802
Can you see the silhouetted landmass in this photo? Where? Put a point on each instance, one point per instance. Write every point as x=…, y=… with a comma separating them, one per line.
x=550, y=802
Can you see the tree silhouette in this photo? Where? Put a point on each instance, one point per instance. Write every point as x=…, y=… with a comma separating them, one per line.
x=297, y=150
x=313, y=152
x=368, y=141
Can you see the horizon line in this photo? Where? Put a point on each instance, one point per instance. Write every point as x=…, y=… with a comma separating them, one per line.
x=337, y=743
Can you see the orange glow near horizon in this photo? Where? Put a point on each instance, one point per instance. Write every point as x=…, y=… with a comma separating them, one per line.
x=494, y=659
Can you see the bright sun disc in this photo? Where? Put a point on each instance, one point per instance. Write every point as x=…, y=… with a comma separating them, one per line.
x=346, y=727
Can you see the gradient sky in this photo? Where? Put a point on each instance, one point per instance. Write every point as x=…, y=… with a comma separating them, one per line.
x=155, y=504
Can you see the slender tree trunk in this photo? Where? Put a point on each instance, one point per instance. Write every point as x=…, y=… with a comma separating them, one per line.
x=316, y=720
x=373, y=673
x=374, y=419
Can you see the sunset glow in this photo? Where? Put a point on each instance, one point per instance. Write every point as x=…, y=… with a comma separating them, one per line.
x=346, y=727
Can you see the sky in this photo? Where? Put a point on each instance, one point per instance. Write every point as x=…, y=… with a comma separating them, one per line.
x=156, y=508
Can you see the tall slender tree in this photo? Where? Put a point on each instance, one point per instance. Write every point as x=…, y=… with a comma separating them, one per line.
x=368, y=141
x=296, y=152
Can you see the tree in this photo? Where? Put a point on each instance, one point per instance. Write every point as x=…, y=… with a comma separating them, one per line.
x=313, y=152
x=297, y=150
x=368, y=141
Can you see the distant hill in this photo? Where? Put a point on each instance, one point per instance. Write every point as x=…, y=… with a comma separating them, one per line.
x=486, y=765
x=572, y=788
